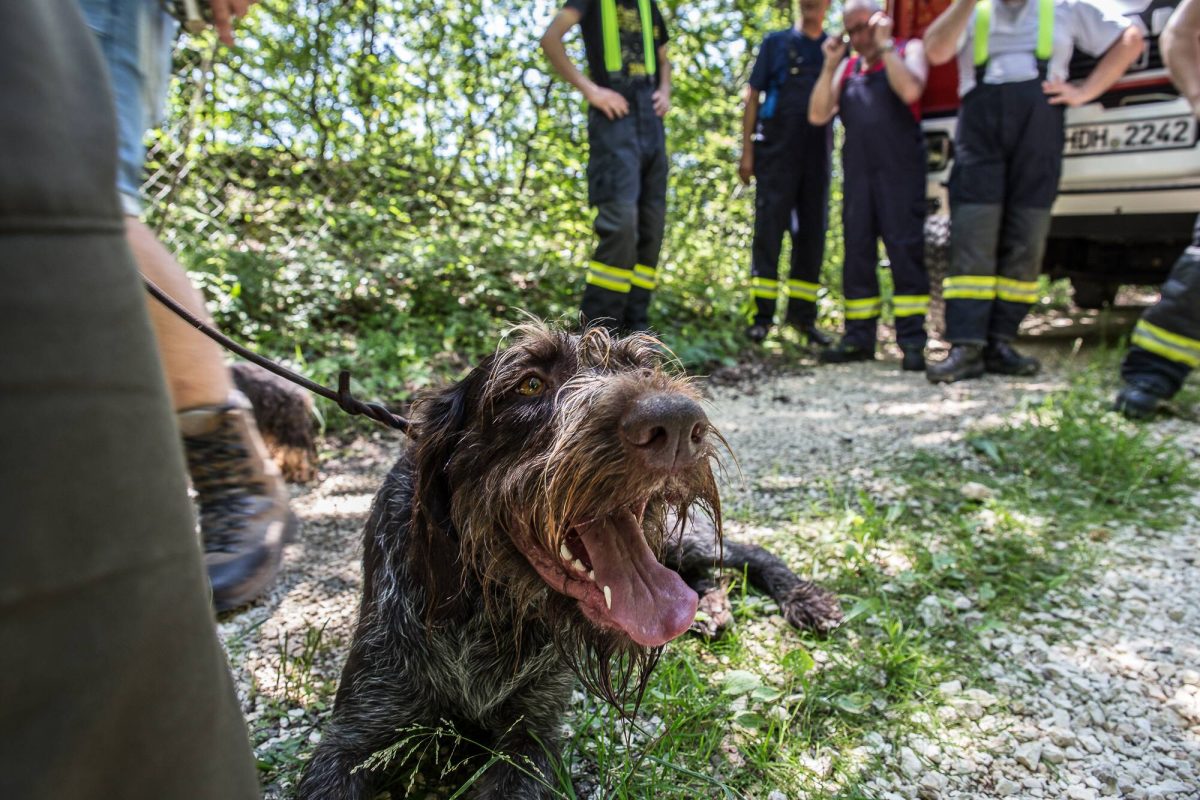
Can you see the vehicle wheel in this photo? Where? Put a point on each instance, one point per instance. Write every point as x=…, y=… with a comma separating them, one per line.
x=1093, y=294
x=937, y=264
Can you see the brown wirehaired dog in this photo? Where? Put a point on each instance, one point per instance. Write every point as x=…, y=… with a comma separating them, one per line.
x=284, y=415
x=520, y=543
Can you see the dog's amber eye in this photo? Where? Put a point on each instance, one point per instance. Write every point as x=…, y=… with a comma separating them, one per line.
x=531, y=385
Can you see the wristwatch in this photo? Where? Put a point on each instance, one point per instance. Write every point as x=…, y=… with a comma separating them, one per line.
x=889, y=44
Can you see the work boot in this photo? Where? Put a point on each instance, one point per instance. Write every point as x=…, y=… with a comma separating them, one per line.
x=965, y=361
x=1002, y=359
x=844, y=353
x=914, y=358
x=815, y=336
x=1136, y=402
x=244, y=517
x=757, y=332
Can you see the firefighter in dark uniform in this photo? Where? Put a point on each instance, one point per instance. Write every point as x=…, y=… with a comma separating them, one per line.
x=1012, y=67
x=883, y=164
x=628, y=89
x=1166, y=342
x=789, y=159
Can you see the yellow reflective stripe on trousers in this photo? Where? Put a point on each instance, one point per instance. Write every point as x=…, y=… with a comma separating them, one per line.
x=644, y=277
x=910, y=305
x=803, y=290
x=766, y=288
x=969, y=287
x=1015, y=291
x=1171, y=346
x=614, y=279
x=1043, y=49
x=864, y=307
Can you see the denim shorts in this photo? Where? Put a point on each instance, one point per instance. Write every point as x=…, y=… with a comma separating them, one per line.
x=135, y=37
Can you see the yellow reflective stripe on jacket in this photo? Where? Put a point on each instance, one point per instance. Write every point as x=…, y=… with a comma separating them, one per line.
x=864, y=307
x=969, y=287
x=803, y=290
x=983, y=31
x=1171, y=346
x=1016, y=291
x=644, y=277
x=764, y=287
x=910, y=305
x=611, y=35
x=647, y=35
x=614, y=279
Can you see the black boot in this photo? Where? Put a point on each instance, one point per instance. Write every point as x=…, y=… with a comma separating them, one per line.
x=1136, y=402
x=1002, y=359
x=757, y=332
x=914, y=358
x=965, y=361
x=844, y=352
x=815, y=336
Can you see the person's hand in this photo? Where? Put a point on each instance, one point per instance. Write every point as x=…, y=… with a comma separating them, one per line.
x=881, y=27
x=834, y=49
x=746, y=166
x=662, y=101
x=1062, y=93
x=610, y=103
x=223, y=14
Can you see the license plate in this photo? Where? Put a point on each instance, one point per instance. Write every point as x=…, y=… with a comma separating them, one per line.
x=1163, y=133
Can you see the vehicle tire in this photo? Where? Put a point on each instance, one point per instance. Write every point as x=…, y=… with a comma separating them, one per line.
x=937, y=264
x=1093, y=294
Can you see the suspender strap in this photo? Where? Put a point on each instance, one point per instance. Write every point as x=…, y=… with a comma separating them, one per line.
x=983, y=28
x=611, y=33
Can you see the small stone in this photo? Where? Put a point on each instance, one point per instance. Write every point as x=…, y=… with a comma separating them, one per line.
x=910, y=765
x=1029, y=755
x=1052, y=754
x=931, y=612
x=1005, y=787
x=976, y=491
x=1078, y=792
x=777, y=795
x=950, y=688
x=1062, y=737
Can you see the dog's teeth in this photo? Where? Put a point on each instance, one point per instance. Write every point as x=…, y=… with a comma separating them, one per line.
x=608, y=597
x=591, y=574
x=578, y=565
x=564, y=551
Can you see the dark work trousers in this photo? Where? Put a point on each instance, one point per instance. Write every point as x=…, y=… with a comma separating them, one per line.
x=1166, y=342
x=1008, y=159
x=883, y=160
x=791, y=172
x=112, y=681
x=627, y=183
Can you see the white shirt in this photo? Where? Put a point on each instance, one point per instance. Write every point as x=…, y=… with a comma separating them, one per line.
x=1091, y=25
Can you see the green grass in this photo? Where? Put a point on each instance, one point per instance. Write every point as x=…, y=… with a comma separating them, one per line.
x=771, y=708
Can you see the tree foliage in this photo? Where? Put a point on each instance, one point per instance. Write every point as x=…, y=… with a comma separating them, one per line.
x=388, y=184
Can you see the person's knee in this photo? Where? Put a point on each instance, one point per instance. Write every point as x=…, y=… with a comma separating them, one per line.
x=617, y=220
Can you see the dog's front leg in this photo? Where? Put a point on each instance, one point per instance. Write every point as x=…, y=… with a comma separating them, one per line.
x=525, y=772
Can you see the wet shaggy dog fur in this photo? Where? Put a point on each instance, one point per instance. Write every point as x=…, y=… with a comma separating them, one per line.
x=543, y=527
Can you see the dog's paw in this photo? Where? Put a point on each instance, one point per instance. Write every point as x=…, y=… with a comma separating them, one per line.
x=714, y=615
x=810, y=607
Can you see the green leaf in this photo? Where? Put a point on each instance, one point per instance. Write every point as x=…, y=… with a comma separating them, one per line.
x=739, y=682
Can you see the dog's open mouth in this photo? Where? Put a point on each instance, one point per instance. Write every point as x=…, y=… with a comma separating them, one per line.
x=607, y=566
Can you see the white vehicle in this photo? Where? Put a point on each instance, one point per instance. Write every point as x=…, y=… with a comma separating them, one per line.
x=1130, y=186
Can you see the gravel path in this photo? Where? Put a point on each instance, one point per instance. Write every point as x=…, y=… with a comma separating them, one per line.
x=1103, y=699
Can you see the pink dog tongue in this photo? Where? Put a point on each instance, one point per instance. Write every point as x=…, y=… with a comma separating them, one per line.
x=650, y=603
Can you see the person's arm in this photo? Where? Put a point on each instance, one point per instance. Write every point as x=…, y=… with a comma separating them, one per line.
x=907, y=83
x=749, y=120
x=223, y=14
x=610, y=103
x=943, y=36
x=1110, y=68
x=662, y=95
x=822, y=103
x=1180, y=46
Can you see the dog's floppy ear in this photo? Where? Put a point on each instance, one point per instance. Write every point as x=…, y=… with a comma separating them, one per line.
x=440, y=420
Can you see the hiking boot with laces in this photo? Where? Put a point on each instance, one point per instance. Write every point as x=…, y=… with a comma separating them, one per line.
x=843, y=353
x=1136, y=402
x=1002, y=359
x=965, y=361
x=244, y=517
x=757, y=332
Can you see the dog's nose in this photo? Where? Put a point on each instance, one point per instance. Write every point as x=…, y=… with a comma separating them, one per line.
x=665, y=430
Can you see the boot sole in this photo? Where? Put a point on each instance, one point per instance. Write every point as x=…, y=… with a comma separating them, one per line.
x=955, y=378
x=260, y=581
